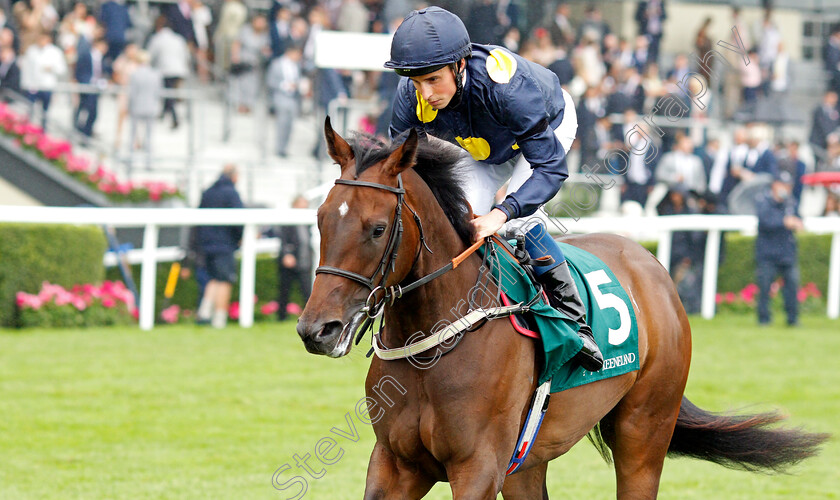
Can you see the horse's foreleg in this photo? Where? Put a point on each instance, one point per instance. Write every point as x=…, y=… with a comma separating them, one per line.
x=389, y=478
x=478, y=478
x=527, y=484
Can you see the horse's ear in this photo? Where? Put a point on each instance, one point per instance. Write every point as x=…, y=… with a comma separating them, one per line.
x=404, y=156
x=337, y=147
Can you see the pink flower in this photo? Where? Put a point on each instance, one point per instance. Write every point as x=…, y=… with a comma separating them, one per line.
x=293, y=308
x=108, y=302
x=233, y=311
x=28, y=301
x=77, y=164
x=124, y=187
x=64, y=297
x=170, y=314
x=79, y=303
x=747, y=295
x=812, y=290
x=801, y=295
x=270, y=308
x=729, y=297
x=718, y=298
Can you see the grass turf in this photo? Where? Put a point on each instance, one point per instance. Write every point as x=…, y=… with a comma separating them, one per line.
x=184, y=412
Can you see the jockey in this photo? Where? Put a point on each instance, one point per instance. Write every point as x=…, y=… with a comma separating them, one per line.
x=515, y=121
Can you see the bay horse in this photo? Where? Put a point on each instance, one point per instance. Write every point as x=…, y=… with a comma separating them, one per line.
x=458, y=420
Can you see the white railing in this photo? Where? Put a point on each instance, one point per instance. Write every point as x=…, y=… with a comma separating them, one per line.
x=153, y=219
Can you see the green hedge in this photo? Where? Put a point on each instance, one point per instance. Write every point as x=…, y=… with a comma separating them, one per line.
x=32, y=253
x=738, y=267
x=186, y=293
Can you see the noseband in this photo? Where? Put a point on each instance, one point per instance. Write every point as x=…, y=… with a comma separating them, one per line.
x=389, y=258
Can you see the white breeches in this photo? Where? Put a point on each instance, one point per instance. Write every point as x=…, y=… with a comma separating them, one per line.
x=482, y=181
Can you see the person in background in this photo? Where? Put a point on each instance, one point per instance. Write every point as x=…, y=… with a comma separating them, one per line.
x=831, y=58
x=144, y=88
x=34, y=18
x=294, y=264
x=75, y=24
x=113, y=15
x=194, y=264
x=682, y=167
x=776, y=252
x=231, y=18
x=832, y=204
x=90, y=70
x=121, y=72
x=760, y=158
x=7, y=25
x=218, y=244
x=791, y=163
x=283, y=82
x=650, y=16
x=687, y=248
x=751, y=79
x=171, y=56
x=9, y=73
x=703, y=45
x=826, y=119
x=179, y=15
x=202, y=18
x=43, y=66
x=248, y=52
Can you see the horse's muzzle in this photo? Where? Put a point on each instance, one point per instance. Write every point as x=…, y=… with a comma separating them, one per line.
x=330, y=338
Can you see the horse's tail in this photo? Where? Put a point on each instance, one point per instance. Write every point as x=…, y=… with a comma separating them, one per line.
x=740, y=441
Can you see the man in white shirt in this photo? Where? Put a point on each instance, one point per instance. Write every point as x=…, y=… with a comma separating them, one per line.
x=43, y=66
x=171, y=56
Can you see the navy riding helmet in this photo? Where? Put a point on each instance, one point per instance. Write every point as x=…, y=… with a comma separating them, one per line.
x=428, y=40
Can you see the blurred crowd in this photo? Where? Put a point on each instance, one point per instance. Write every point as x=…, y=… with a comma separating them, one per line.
x=620, y=84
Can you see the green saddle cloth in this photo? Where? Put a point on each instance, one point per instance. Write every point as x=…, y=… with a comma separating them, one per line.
x=609, y=313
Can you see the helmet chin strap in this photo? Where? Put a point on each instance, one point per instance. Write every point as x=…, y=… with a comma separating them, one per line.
x=459, y=84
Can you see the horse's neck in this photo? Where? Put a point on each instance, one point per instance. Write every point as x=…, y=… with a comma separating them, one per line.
x=444, y=298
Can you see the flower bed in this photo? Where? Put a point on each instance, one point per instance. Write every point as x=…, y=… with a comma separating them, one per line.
x=110, y=303
x=263, y=311
x=59, y=153
x=809, y=296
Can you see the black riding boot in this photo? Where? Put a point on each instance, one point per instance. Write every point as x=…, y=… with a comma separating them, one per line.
x=564, y=296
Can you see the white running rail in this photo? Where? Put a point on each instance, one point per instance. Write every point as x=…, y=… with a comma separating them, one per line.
x=152, y=219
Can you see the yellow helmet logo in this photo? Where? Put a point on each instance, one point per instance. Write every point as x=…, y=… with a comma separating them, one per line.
x=478, y=147
x=425, y=111
x=501, y=65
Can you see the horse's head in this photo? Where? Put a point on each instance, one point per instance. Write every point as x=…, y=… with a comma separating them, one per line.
x=367, y=240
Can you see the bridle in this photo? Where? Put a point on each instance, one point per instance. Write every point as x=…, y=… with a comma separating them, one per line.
x=387, y=263
x=374, y=307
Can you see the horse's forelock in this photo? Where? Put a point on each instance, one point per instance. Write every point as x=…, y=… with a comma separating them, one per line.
x=437, y=164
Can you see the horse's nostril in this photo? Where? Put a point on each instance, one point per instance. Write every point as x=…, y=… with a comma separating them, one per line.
x=329, y=330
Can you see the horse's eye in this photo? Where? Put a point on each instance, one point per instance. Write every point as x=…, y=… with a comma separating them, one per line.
x=378, y=231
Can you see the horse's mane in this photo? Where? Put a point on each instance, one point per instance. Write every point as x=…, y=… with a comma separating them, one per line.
x=438, y=166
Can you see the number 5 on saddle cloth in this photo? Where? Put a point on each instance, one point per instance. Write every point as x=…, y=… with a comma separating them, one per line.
x=609, y=313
